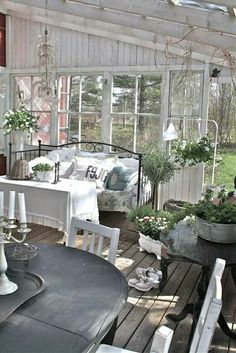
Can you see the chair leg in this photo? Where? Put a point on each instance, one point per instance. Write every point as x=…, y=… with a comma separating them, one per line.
x=109, y=338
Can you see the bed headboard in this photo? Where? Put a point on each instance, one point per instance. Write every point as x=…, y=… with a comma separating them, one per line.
x=90, y=146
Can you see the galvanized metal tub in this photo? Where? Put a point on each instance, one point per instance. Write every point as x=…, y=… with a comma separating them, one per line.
x=216, y=232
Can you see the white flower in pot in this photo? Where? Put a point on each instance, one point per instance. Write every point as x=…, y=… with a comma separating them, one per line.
x=150, y=228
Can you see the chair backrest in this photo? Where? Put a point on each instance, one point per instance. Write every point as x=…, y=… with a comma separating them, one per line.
x=210, y=311
x=161, y=340
x=93, y=237
x=160, y=344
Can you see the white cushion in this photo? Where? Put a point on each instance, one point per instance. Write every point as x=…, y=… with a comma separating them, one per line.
x=62, y=155
x=93, y=169
x=66, y=169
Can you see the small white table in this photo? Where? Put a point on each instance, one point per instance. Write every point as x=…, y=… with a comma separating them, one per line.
x=54, y=204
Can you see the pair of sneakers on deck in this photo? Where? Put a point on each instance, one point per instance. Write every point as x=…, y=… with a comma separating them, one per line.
x=147, y=278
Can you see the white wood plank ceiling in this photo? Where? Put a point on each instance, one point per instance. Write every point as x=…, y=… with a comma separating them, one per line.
x=206, y=29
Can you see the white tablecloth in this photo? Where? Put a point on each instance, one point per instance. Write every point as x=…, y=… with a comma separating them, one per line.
x=54, y=204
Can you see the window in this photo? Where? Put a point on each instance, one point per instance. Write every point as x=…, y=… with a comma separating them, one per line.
x=185, y=103
x=85, y=107
x=136, y=102
x=27, y=88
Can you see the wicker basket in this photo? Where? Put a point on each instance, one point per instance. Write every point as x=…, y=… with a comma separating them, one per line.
x=20, y=170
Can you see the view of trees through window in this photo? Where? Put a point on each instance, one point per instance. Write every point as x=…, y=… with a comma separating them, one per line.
x=222, y=108
x=135, y=111
x=136, y=105
x=185, y=103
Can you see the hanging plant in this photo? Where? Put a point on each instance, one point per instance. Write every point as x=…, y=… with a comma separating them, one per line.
x=191, y=153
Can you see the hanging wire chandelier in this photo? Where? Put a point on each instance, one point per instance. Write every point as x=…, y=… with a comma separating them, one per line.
x=47, y=87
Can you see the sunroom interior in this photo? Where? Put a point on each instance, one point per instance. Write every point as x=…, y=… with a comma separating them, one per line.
x=121, y=73
x=134, y=74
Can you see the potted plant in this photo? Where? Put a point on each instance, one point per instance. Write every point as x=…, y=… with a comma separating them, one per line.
x=159, y=168
x=191, y=153
x=133, y=215
x=149, y=233
x=216, y=216
x=43, y=172
x=19, y=121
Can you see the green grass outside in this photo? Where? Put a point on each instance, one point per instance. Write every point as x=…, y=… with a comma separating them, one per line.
x=225, y=171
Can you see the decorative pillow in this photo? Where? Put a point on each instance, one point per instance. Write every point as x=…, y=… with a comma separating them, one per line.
x=118, y=178
x=65, y=169
x=93, y=169
x=130, y=163
x=38, y=160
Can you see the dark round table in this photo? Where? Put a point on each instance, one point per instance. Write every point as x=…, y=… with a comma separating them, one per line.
x=83, y=296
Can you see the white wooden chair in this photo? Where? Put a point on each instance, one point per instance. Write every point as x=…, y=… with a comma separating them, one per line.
x=160, y=344
x=93, y=237
x=210, y=311
x=205, y=327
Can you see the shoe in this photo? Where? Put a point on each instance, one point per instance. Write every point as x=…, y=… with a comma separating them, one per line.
x=145, y=284
x=133, y=281
x=148, y=272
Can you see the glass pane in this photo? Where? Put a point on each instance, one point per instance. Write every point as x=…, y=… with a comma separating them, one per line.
x=91, y=127
x=23, y=89
x=188, y=129
x=39, y=103
x=74, y=126
x=91, y=94
x=75, y=101
x=63, y=127
x=64, y=93
x=222, y=109
x=44, y=128
x=185, y=93
x=148, y=132
x=123, y=131
x=123, y=93
x=149, y=93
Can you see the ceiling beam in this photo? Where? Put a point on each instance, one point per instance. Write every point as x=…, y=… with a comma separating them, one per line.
x=144, y=30
x=172, y=30
x=230, y=3
x=137, y=13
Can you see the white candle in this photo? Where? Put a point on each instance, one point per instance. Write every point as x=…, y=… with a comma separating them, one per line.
x=11, y=205
x=21, y=198
x=1, y=203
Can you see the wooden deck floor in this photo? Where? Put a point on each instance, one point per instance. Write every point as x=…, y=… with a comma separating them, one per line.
x=145, y=311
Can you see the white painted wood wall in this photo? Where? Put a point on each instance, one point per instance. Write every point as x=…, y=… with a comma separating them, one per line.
x=186, y=185
x=75, y=49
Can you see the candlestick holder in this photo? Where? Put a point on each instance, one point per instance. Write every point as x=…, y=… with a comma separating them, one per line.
x=6, y=236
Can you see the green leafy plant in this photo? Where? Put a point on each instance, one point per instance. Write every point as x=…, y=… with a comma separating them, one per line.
x=140, y=212
x=42, y=167
x=215, y=209
x=152, y=226
x=19, y=120
x=158, y=167
x=191, y=153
